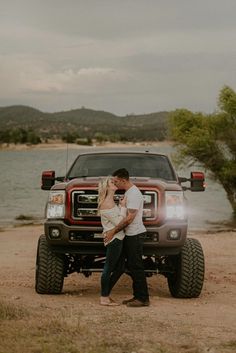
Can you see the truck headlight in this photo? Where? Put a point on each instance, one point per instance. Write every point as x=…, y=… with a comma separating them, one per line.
x=56, y=204
x=175, y=205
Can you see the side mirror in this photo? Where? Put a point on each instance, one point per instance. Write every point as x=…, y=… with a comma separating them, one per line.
x=197, y=180
x=48, y=179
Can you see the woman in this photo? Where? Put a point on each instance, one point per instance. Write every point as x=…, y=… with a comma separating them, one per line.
x=111, y=215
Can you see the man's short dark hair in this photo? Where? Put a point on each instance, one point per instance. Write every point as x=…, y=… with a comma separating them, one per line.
x=121, y=173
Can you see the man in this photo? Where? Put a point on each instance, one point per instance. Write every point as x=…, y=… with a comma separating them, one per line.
x=134, y=229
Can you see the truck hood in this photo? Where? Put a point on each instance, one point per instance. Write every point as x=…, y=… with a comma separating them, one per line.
x=92, y=182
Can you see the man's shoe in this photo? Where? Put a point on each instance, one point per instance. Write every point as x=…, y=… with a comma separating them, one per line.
x=137, y=303
x=128, y=300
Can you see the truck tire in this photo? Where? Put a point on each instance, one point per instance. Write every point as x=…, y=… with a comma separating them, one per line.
x=49, y=275
x=188, y=277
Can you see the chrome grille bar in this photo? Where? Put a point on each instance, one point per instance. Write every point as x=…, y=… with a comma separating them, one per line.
x=84, y=204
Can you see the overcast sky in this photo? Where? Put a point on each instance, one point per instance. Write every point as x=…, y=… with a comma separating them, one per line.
x=122, y=56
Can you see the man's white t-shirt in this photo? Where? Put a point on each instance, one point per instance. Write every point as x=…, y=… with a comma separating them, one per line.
x=134, y=200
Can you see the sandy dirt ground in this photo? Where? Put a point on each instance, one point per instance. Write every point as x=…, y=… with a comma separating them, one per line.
x=204, y=324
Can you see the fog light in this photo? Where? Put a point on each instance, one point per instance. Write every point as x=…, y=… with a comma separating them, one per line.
x=55, y=233
x=174, y=234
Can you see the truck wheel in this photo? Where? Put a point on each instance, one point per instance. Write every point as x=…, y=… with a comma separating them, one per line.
x=49, y=276
x=187, y=280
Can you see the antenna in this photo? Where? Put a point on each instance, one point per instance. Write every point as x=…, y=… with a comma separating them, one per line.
x=67, y=157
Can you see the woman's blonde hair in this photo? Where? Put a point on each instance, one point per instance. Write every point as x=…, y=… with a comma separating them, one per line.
x=102, y=190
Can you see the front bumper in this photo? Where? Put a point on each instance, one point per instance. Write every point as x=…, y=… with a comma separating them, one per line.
x=88, y=239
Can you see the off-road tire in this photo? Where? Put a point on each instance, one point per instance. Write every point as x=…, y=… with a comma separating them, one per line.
x=49, y=276
x=189, y=268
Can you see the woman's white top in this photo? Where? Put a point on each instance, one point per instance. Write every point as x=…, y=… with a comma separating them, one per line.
x=111, y=217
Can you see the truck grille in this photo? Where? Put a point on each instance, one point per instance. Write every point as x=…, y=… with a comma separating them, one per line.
x=85, y=202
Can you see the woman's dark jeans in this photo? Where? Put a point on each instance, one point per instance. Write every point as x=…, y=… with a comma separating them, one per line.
x=113, y=252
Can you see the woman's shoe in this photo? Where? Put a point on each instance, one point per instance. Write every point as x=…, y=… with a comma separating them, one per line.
x=108, y=301
x=113, y=301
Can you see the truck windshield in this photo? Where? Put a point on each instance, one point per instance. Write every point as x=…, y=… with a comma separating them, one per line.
x=138, y=165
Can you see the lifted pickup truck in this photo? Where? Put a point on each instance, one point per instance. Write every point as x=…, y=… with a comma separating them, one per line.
x=73, y=240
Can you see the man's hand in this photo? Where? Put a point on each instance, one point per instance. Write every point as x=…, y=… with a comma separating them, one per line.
x=123, y=201
x=108, y=236
x=122, y=225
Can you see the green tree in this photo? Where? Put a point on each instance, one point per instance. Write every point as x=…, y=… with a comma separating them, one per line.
x=100, y=137
x=5, y=136
x=210, y=140
x=19, y=135
x=70, y=137
x=33, y=138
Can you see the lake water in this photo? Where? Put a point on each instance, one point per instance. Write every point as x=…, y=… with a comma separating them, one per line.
x=20, y=181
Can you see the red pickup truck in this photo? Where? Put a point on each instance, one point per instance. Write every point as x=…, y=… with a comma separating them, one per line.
x=73, y=240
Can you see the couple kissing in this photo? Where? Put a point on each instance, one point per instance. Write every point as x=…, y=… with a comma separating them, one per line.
x=122, y=228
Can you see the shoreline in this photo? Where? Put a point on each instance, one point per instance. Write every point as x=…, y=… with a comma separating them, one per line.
x=57, y=144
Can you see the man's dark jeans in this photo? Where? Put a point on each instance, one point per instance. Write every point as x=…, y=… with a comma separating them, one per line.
x=132, y=252
x=113, y=253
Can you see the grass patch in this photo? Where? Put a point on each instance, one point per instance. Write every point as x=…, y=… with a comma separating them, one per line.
x=27, y=220
x=67, y=331
x=230, y=344
x=11, y=312
x=23, y=217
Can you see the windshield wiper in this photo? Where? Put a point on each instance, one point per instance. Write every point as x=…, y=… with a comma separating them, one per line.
x=77, y=176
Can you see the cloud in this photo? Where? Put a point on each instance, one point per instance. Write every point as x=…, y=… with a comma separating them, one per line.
x=32, y=76
x=123, y=56
x=85, y=80
x=109, y=19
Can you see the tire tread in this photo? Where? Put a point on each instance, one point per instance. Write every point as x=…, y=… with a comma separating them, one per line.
x=49, y=269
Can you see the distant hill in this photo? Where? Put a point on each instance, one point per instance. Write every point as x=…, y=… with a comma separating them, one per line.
x=85, y=123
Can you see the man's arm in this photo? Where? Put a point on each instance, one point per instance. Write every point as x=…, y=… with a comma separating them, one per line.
x=120, y=226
